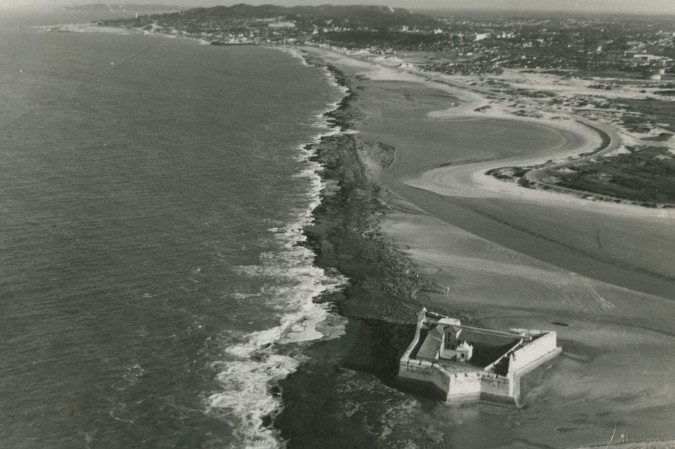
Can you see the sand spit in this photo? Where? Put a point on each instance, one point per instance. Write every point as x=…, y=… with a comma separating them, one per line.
x=581, y=137
x=459, y=149
x=481, y=97
x=599, y=274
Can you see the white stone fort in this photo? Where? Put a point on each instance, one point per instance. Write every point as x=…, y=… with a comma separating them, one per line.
x=465, y=363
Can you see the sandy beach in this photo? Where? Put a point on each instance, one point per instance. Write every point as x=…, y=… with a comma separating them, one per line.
x=600, y=274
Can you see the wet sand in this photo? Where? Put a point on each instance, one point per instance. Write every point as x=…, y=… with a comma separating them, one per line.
x=599, y=274
x=440, y=167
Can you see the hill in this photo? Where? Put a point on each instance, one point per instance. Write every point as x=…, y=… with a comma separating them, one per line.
x=123, y=7
x=302, y=18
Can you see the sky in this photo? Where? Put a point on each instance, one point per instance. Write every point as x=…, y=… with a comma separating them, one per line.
x=580, y=6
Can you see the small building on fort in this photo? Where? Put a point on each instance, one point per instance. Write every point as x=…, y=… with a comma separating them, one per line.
x=464, y=363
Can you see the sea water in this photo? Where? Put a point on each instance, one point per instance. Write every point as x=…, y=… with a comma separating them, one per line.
x=152, y=197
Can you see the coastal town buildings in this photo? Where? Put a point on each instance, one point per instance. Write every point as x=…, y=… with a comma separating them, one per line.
x=462, y=44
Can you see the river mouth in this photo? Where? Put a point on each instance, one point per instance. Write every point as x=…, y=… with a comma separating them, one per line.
x=600, y=275
x=440, y=167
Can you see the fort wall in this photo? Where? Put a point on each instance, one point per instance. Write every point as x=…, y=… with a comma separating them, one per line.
x=424, y=371
x=494, y=385
x=464, y=387
x=531, y=352
x=460, y=386
x=462, y=382
x=518, y=375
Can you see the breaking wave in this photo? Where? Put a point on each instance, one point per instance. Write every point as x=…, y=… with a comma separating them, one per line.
x=249, y=377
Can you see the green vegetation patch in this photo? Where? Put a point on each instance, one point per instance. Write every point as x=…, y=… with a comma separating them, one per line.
x=646, y=175
x=389, y=39
x=653, y=111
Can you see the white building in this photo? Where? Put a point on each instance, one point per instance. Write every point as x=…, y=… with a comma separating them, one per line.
x=464, y=363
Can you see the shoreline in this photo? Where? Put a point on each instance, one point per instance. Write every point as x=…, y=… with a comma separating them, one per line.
x=275, y=357
x=464, y=181
x=476, y=102
x=493, y=286
x=265, y=357
x=246, y=379
x=378, y=302
x=397, y=257
x=530, y=176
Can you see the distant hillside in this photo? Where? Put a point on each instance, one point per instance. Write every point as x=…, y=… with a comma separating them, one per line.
x=121, y=7
x=344, y=16
x=304, y=17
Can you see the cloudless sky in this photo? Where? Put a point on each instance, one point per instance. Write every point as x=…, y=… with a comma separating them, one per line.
x=609, y=6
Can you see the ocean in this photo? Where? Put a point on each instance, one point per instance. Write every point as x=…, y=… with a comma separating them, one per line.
x=152, y=195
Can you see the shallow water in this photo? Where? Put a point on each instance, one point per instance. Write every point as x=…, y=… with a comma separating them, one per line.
x=345, y=389
x=632, y=251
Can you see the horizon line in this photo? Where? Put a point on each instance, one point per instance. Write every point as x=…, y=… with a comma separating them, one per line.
x=511, y=10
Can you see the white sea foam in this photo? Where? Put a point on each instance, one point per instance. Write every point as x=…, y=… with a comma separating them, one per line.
x=245, y=392
x=255, y=364
x=296, y=54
